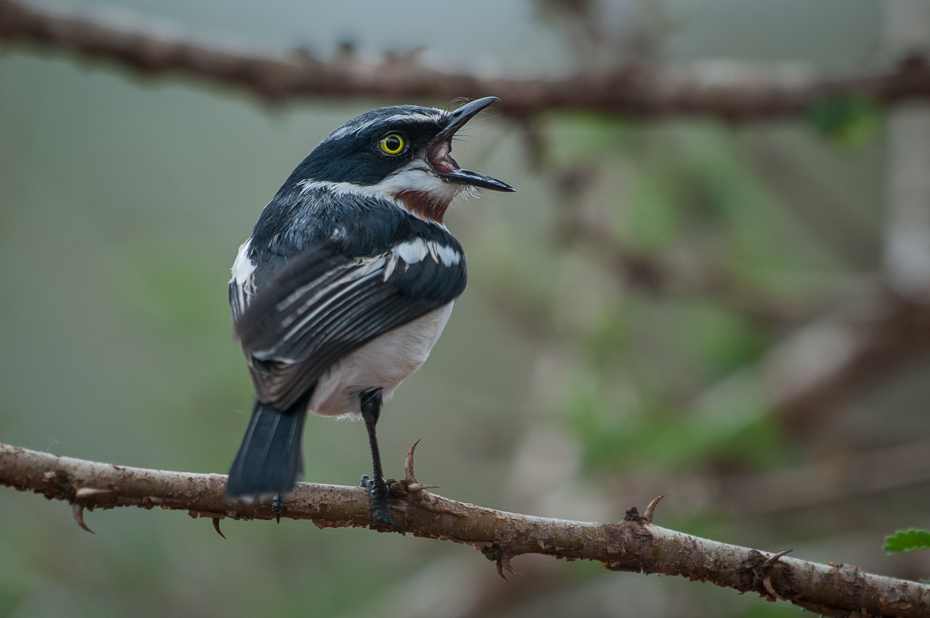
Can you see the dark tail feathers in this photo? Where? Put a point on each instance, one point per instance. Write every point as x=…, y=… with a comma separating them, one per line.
x=269, y=460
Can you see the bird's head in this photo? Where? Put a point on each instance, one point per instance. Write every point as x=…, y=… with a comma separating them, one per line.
x=398, y=153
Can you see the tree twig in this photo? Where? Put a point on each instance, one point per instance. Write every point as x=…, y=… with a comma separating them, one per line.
x=632, y=545
x=642, y=90
x=831, y=357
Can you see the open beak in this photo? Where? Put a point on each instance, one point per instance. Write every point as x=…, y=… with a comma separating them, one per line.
x=437, y=153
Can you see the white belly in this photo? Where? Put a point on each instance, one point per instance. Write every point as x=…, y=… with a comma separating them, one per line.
x=383, y=363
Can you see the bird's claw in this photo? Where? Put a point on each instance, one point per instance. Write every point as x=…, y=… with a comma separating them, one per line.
x=379, y=508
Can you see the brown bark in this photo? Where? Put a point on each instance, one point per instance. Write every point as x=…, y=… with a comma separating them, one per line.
x=635, y=544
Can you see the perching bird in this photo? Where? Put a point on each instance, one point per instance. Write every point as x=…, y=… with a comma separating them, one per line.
x=346, y=284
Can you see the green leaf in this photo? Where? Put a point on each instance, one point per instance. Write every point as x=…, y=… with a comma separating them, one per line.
x=907, y=540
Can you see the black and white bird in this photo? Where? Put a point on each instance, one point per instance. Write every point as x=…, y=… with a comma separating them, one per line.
x=346, y=284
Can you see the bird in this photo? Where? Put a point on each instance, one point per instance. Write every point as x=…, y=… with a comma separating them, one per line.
x=346, y=284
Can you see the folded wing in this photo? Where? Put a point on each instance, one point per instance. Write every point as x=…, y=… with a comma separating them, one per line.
x=320, y=306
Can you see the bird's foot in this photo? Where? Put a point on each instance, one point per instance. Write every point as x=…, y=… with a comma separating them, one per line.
x=277, y=505
x=378, y=490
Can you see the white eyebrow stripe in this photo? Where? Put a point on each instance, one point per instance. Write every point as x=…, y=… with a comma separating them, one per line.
x=355, y=129
x=414, y=117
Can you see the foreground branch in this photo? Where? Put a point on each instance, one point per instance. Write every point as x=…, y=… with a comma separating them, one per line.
x=632, y=545
x=644, y=91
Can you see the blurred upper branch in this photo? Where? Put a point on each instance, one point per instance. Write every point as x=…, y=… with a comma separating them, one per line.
x=731, y=93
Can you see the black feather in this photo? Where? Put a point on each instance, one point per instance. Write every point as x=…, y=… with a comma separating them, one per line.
x=269, y=460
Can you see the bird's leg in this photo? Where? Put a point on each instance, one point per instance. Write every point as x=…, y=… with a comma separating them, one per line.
x=377, y=487
x=277, y=505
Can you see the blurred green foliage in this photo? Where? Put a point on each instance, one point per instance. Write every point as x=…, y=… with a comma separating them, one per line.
x=851, y=122
x=11, y=597
x=717, y=338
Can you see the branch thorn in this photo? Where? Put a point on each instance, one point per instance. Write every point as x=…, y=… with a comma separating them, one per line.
x=87, y=492
x=78, y=511
x=410, y=481
x=503, y=564
x=775, y=557
x=651, y=509
x=216, y=526
x=408, y=465
x=767, y=583
x=767, y=579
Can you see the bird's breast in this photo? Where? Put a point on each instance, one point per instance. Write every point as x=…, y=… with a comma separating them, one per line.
x=382, y=363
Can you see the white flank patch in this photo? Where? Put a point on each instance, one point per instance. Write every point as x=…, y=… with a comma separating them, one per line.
x=243, y=267
x=382, y=363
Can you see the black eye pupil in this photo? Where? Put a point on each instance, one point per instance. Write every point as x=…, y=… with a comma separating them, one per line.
x=393, y=143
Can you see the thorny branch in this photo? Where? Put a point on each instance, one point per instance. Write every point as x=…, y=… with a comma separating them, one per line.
x=639, y=89
x=634, y=544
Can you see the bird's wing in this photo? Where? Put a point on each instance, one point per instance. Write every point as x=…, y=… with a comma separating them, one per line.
x=321, y=306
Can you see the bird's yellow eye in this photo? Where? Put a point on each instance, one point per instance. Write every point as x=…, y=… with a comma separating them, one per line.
x=392, y=144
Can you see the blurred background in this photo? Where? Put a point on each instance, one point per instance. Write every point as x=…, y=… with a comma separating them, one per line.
x=735, y=316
